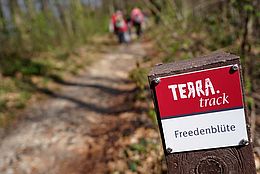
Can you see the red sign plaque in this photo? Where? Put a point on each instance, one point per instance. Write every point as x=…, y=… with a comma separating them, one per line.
x=203, y=91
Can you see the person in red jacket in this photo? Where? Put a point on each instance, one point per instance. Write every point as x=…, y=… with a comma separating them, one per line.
x=137, y=18
x=119, y=26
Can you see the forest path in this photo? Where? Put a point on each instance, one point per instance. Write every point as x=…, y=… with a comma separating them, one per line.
x=72, y=130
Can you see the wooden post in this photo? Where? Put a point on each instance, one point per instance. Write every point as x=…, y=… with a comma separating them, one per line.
x=224, y=160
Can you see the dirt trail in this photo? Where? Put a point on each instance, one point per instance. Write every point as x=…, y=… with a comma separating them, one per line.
x=72, y=130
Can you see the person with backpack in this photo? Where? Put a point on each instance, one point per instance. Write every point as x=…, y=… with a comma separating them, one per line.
x=137, y=18
x=120, y=27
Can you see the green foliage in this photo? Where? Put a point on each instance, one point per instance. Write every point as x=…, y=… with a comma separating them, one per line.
x=2, y=105
x=43, y=33
x=152, y=115
x=139, y=147
x=248, y=85
x=249, y=102
x=139, y=76
x=133, y=166
x=43, y=30
x=243, y=5
x=140, y=153
x=12, y=66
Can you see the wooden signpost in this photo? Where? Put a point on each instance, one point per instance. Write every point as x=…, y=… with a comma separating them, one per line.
x=202, y=115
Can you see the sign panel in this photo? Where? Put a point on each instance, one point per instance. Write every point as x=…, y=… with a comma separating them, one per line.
x=202, y=109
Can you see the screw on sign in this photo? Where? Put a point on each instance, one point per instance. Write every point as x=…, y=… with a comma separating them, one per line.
x=201, y=114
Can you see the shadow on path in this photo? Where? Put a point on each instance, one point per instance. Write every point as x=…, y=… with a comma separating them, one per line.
x=103, y=88
x=122, y=107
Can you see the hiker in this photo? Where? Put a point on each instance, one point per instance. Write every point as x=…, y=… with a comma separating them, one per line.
x=119, y=27
x=137, y=18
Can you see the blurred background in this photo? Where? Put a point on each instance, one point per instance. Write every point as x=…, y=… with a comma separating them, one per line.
x=74, y=99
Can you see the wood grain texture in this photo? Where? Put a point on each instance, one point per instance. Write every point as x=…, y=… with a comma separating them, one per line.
x=230, y=160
